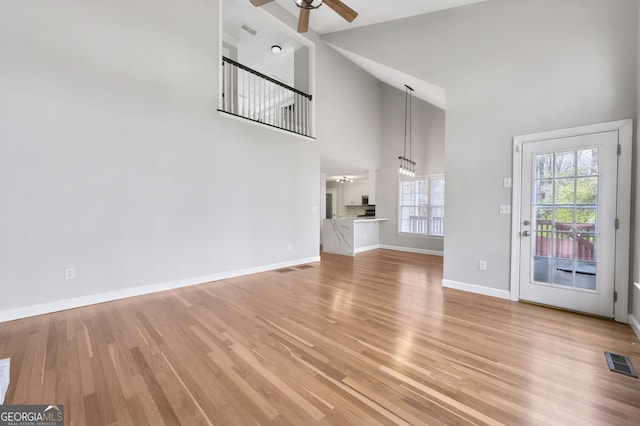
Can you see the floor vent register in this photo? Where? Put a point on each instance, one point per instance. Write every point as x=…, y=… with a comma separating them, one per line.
x=620, y=364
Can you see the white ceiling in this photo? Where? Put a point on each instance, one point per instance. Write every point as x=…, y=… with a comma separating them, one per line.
x=324, y=20
x=255, y=50
x=424, y=90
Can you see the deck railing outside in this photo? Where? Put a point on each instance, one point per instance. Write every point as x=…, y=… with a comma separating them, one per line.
x=252, y=95
x=565, y=240
x=420, y=225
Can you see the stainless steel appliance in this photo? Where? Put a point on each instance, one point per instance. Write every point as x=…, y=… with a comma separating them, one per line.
x=369, y=212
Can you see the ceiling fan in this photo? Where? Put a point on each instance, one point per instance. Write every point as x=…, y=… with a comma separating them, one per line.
x=307, y=5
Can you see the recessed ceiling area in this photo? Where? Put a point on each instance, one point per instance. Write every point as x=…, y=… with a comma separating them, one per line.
x=254, y=41
x=336, y=168
x=324, y=20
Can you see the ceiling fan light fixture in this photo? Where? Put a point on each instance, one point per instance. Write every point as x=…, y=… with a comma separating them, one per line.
x=308, y=4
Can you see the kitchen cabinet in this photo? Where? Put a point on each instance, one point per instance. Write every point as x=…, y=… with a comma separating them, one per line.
x=354, y=191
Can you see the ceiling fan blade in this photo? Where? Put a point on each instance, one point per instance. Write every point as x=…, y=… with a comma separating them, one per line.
x=342, y=9
x=303, y=21
x=258, y=3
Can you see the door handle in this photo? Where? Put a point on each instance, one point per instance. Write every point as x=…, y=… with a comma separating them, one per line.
x=526, y=233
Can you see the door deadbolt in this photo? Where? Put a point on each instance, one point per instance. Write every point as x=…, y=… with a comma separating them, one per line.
x=526, y=223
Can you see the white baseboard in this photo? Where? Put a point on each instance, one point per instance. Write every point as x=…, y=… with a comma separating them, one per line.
x=635, y=325
x=77, y=302
x=412, y=250
x=367, y=248
x=478, y=289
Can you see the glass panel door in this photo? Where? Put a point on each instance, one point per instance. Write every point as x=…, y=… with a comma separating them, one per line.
x=566, y=210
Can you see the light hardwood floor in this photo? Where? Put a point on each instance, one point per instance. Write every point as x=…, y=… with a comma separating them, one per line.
x=367, y=340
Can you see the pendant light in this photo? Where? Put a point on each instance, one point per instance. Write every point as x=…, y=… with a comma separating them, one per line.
x=407, y=165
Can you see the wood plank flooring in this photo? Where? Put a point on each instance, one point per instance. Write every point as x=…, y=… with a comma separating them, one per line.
x=367, y=340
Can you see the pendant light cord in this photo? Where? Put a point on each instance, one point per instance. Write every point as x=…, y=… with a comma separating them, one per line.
x=406, y=93
x=407, y=165
x=410, y=124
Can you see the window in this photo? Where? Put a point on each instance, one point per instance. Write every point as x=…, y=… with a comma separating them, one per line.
x=421, y=209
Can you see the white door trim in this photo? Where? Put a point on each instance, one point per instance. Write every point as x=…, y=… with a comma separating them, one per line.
x=623, y=205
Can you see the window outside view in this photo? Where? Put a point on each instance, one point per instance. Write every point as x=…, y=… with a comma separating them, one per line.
x=421, y=210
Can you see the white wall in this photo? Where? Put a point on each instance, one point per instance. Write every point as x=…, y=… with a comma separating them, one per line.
x=509, y=67
x=114, y=161
x=348, y=104
x=428, y=152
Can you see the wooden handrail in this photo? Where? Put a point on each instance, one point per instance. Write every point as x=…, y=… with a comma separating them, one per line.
x=265, y=77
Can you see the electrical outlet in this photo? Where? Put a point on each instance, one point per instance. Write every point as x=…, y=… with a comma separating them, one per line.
x=482, y=265
x=70, y=274
x=5, y=377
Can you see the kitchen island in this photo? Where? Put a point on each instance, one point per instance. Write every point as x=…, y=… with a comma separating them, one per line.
x=348, y=236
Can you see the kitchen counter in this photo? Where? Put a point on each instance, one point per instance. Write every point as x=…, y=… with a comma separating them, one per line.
x=351, y=235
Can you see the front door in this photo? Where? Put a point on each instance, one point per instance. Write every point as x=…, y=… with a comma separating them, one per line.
x=568, y=222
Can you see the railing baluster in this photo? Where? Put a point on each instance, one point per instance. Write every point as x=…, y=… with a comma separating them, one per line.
x=229, y=88
x=245, y=95
x=272, y=94
x=291, y=111
x=224, y=83
x=259, y=97
x=298, y=116
x=234, y=83
x=305, y=102
x=269, y=102
x=255, y=96
x=305, y=117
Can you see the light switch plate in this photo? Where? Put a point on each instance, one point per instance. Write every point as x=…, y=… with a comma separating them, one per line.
x=507, y=182
x=505, y=209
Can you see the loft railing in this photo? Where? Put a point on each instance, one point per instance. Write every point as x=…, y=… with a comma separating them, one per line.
x=558, y=239
x=252, y=95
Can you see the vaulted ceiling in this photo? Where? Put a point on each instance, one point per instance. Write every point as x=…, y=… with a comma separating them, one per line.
x=324, y=20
